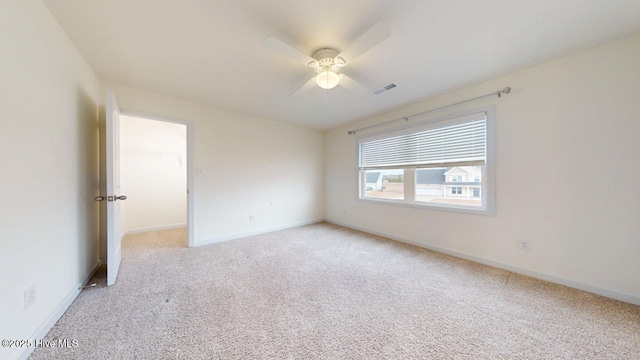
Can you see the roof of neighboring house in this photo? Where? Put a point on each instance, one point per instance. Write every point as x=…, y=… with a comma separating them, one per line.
x=474, y=170
x=372, y=177
x=430, y=176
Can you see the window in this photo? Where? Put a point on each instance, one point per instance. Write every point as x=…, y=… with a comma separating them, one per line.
x=444, y=163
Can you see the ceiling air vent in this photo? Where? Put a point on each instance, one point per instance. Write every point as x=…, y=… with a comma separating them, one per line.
x=384, y=88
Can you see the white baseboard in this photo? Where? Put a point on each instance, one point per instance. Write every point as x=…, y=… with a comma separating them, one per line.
x=251, y=233
x=53, y=318
x=155, y=228
x=534, y=274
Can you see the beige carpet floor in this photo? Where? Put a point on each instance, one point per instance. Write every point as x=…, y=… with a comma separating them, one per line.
x=325, y=292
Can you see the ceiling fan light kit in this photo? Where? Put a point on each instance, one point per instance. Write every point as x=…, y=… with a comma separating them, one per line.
x=327, y=79
x=327, y=64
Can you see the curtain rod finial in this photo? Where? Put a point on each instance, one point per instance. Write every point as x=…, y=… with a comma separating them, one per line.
x=506, y=90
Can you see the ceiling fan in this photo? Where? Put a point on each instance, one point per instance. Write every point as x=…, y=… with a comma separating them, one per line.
x=328, y=63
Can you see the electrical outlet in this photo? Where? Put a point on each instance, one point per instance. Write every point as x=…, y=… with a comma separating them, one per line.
x=29, y=296
x=525, y=245
x=252, y=218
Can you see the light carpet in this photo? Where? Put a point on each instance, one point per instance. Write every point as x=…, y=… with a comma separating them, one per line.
x=326, y=292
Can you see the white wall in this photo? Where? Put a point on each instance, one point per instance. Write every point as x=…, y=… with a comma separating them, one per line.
x=49, y=144
x=247, y=165
x=567, y=156
x=153, y=174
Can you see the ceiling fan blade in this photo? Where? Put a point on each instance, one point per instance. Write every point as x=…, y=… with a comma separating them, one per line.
x=352, y=85
x=304, y=87
x=372, y=37
x=283, y=48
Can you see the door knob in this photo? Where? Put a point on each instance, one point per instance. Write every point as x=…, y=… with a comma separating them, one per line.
x=110, y=198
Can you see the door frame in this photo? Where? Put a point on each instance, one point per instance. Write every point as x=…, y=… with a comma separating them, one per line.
x=190, y=168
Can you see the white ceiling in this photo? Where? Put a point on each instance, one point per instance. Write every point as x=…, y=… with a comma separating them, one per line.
x=212, y=52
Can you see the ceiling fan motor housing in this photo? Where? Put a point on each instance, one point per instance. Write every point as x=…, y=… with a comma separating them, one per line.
x=327, y=59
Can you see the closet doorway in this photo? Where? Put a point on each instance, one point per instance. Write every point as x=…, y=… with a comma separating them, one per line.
x=155, y=167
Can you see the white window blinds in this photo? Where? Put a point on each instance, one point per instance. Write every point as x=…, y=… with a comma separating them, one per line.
x=459, y=141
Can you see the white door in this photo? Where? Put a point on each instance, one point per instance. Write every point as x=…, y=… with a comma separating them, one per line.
x=112, y=171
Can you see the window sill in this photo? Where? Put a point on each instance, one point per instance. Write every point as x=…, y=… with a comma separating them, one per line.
x=416, y=205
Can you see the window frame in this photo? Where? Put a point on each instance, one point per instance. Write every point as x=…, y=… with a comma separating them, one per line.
x=488, y=175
